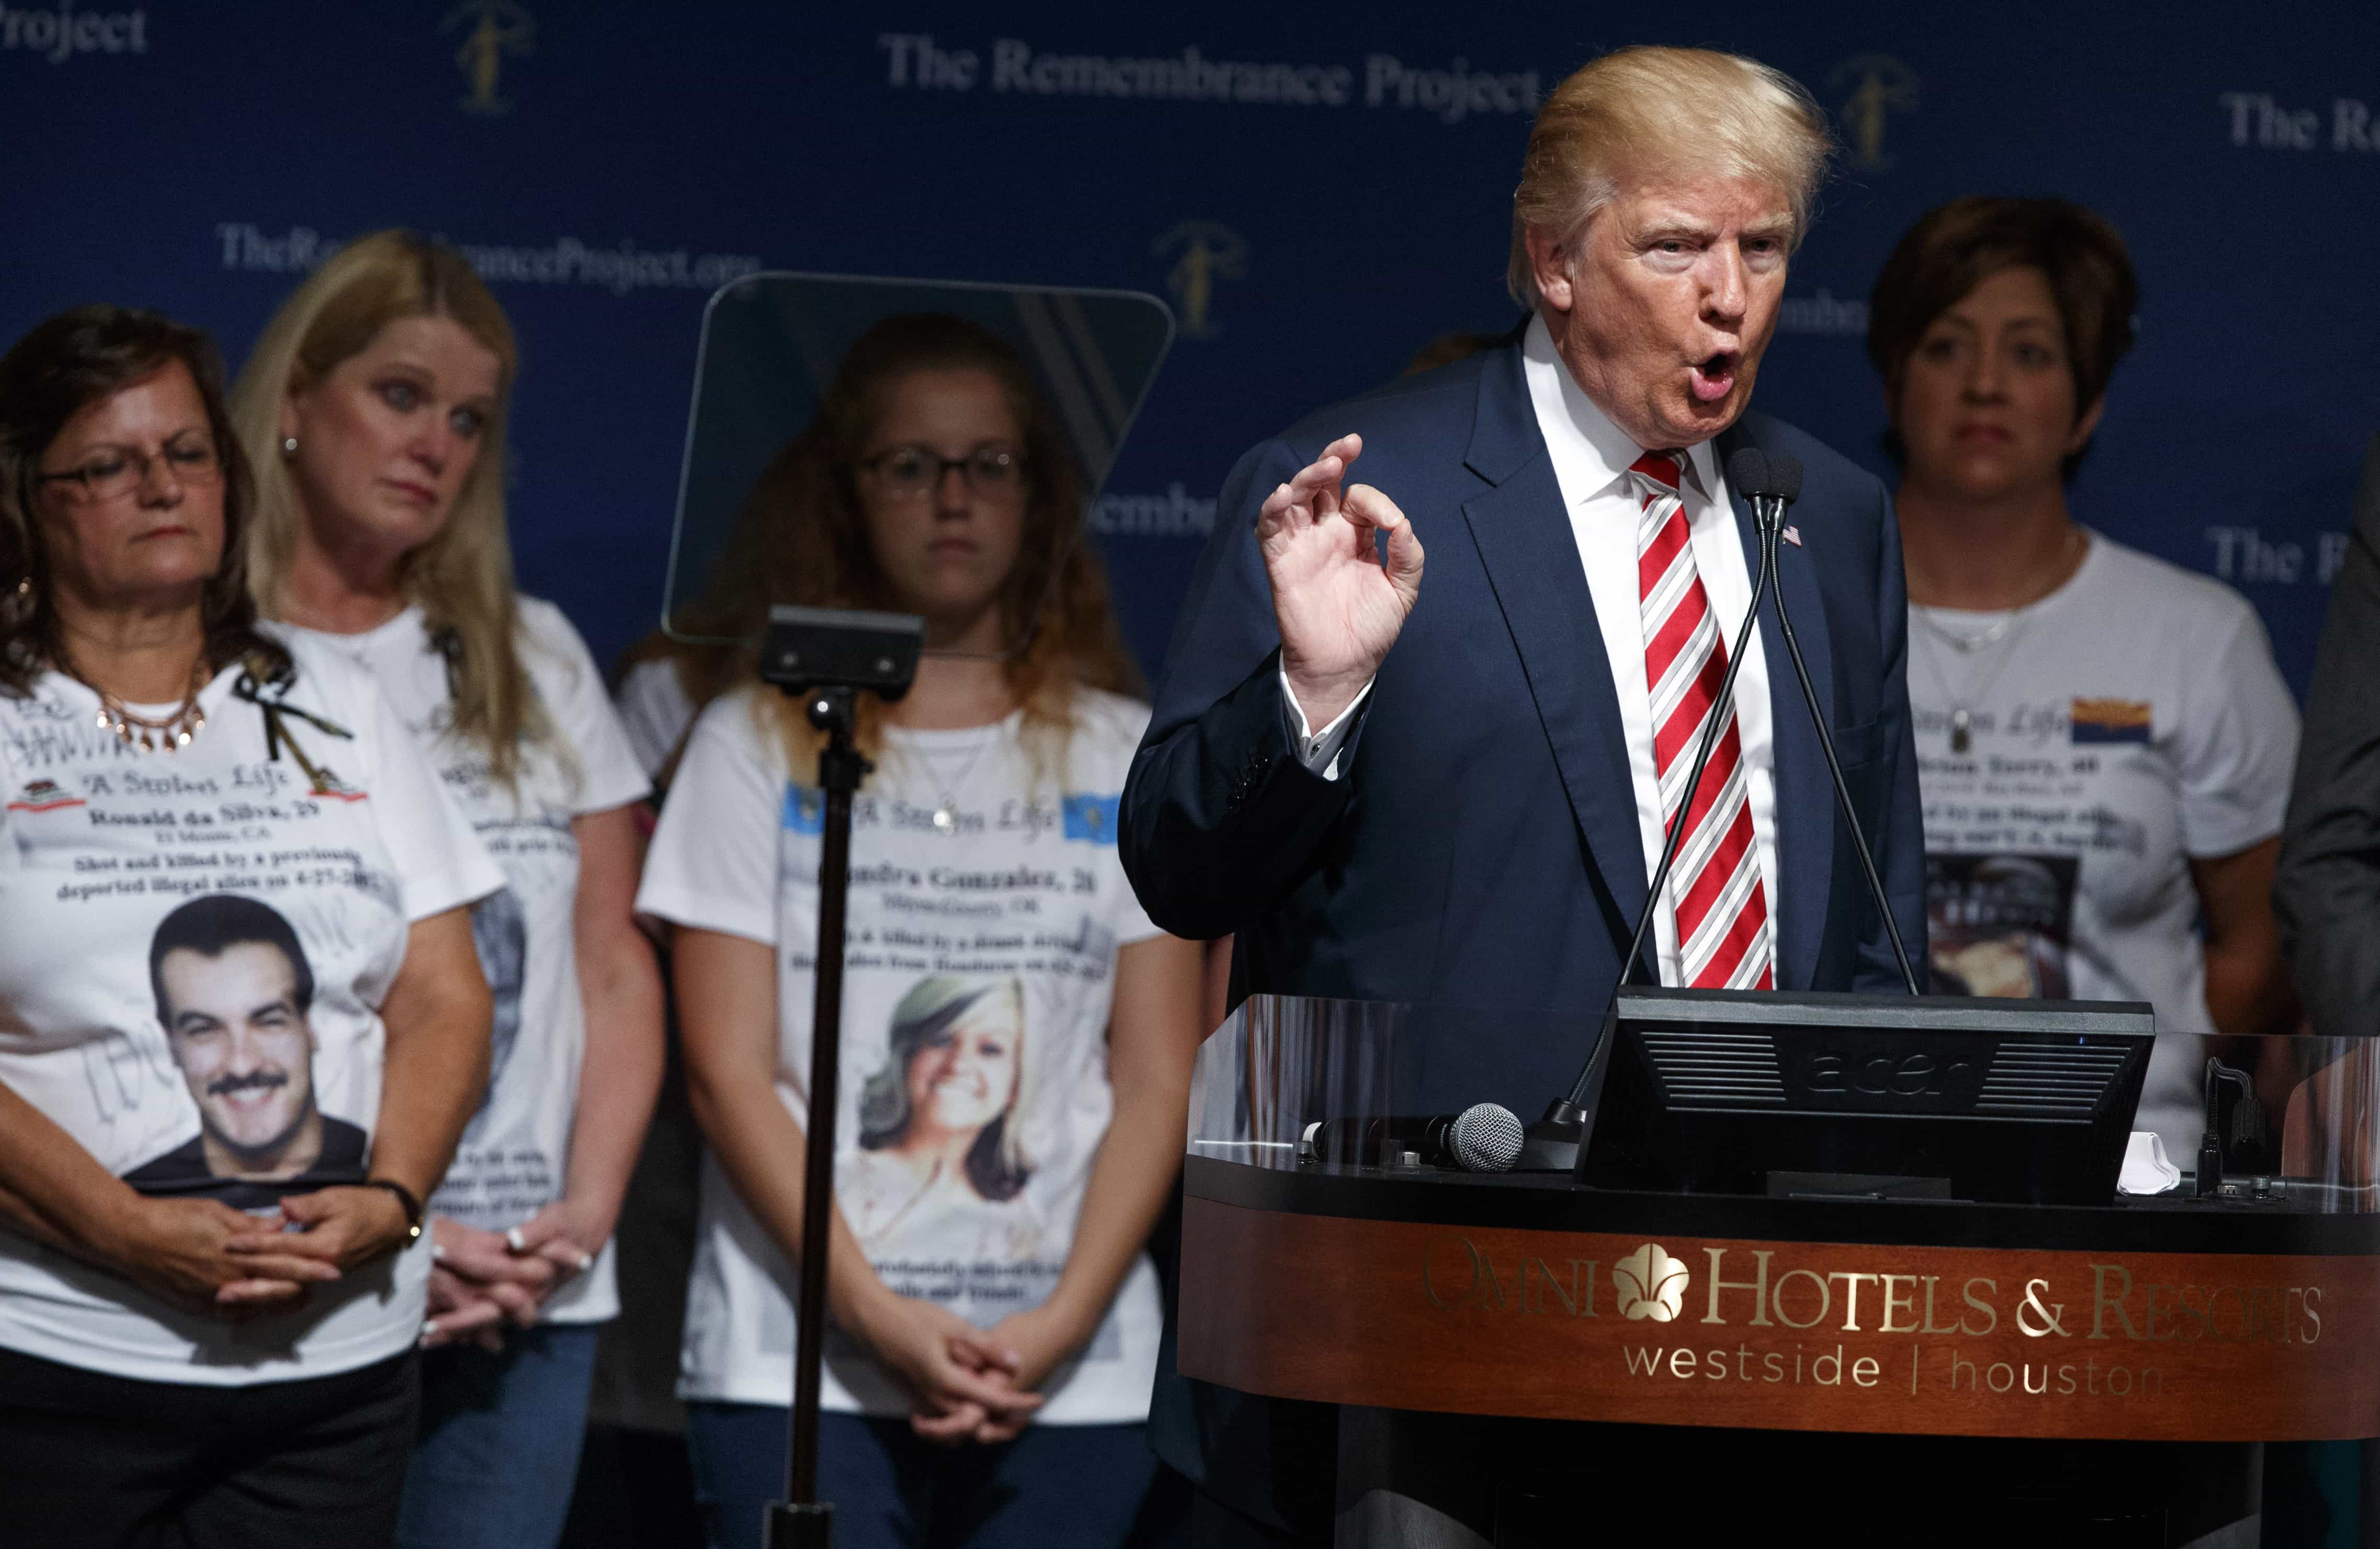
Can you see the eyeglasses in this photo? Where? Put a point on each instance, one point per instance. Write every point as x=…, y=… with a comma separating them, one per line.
x=913, y=472
x=118, y=471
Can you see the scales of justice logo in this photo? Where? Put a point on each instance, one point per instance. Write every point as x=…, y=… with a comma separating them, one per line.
x=1874, y=88
x=1208, y=252
x=491, y=29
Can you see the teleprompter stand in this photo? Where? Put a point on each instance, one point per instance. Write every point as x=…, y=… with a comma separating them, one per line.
x=830, y=657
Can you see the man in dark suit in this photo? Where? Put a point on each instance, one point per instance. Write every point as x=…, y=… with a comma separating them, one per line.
x=1455, y=792
x=2327, y=893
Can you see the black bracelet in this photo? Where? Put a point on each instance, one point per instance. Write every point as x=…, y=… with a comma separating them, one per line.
x=405, y=1197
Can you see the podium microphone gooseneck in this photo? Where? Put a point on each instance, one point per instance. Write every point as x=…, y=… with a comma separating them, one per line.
x=1784, y=485
x=1551, y=1143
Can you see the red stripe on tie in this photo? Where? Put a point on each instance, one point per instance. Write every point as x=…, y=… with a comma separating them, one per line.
x=1697, y=887
x=1740, y=939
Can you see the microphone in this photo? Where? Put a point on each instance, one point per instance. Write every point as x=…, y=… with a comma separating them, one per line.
x=1551, y=1145
x=1783, y=486
x=1485, y=1137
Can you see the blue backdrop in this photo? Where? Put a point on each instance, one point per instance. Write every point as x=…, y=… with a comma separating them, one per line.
x=1316, y=191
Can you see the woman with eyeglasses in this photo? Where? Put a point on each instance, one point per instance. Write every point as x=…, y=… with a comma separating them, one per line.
x=240, y=1020
x=1029, y=1031
x=374, y=408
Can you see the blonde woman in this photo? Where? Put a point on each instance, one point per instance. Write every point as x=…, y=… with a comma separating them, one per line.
x=373, y=409
x=1024, y=1033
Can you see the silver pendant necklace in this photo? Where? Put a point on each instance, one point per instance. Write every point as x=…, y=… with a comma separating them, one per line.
x=946, y=812
x=2005, y=633
x=2008, y=628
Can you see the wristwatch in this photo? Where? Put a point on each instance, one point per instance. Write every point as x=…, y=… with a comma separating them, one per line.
x=405, y=1197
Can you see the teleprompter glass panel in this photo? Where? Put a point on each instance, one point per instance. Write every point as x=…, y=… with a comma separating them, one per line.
x=792, y=370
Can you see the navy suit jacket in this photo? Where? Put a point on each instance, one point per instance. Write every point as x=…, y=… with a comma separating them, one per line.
x=1481, y=847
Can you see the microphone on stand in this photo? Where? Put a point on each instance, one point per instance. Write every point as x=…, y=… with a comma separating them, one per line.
x=1551, y=1143
x=1783, y=487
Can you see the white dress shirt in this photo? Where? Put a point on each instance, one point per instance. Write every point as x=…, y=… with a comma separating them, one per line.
x=1591, y=458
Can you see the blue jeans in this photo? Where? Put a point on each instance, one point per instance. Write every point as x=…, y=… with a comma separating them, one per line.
x=498, y=1448
x=1054, y=1487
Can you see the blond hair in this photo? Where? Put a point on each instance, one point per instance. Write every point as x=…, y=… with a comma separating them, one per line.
x=1657, y=112
x=462, y=579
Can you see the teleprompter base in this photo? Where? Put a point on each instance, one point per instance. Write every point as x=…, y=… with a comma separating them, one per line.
x=807, y=1526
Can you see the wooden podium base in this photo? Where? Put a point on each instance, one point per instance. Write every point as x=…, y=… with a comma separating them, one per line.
x=2144, y=1322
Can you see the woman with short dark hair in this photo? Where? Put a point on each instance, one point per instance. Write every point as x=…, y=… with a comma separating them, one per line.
x=212, y=1173
x=2084, y=712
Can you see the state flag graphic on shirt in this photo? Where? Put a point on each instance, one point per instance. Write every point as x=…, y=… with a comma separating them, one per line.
x=2111, y=721
x=43, y=795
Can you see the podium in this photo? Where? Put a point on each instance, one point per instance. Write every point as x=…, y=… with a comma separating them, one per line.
x=1502, y=1348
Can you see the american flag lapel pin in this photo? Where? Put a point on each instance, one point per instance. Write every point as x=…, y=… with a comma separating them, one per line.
x=1792, y=536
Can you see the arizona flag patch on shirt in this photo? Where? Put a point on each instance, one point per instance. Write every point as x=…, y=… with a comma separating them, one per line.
x=43, y=795
x=2111, y=721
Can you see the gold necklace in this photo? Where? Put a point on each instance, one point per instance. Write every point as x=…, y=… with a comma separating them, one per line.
x=170, y=733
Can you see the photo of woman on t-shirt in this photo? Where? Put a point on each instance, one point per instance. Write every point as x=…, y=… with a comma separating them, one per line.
x=936, y=1141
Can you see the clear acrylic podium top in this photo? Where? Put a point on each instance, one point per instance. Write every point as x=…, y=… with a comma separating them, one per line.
x=1281, y=1065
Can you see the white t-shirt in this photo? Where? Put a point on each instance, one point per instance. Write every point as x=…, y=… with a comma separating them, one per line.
x=654, y=711
x=2126, y=724
x=993, y=949
x=515, y=1154
x=217, y=861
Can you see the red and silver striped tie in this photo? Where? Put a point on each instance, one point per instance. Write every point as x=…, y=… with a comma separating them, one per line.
x=1721, y=909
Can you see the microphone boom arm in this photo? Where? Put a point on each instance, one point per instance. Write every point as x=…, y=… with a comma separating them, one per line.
x=1565, y=1120
x=1771, y=523
x=1557, y=1141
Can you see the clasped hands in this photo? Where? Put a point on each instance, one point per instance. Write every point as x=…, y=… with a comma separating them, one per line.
x=480, y=1281
x=967, y=1384
x=204, y=1255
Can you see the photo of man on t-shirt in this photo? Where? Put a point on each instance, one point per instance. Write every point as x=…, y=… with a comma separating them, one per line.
x=233, y=990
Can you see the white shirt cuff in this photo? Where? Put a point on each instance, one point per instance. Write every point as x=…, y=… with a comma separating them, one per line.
x=1318, y=751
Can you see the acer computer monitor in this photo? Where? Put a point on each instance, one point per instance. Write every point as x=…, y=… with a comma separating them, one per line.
x=1851, y=1095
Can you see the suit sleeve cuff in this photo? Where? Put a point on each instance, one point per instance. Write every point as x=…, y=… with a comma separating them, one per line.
x=1318, y=751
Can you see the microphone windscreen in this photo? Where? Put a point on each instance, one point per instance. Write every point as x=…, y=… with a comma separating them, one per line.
x=1748, y=472
x=1487, y=1138
x=1785, y=476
